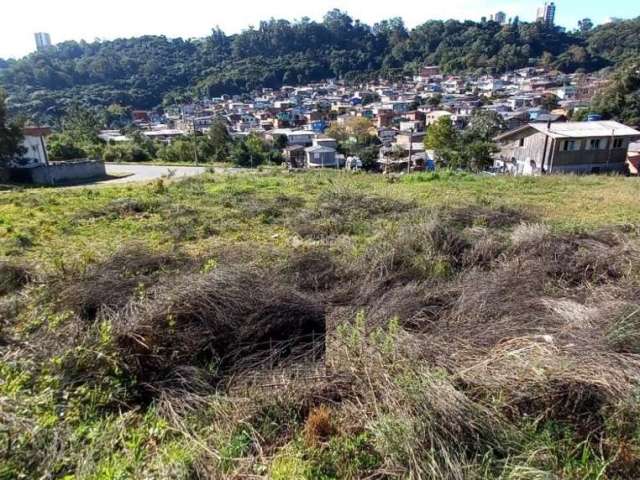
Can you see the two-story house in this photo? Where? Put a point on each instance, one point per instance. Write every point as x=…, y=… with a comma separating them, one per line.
x=571, y=147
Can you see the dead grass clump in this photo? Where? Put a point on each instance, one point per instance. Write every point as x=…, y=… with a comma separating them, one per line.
x=220, y=321
x=340, y=211
x=319, y=426
x=595, y=259
x=269, y=209
x=624, y=335
x=420, y=420
x=446, y=241
x=415, y=305
x=111, y=283
x=13, y=276
x=121, y=208
x=313, y=270
x=186, y=223
x=494, y=218
x=529, y=235
x=483, y=252
x=543, y=379
x=420, y=252
x=344, y=201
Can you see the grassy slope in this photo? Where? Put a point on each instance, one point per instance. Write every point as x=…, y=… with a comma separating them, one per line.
x=51, y=223
x=90, y=428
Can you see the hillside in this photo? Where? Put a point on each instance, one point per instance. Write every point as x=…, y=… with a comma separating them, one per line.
x=143, y=72
x=321, y=325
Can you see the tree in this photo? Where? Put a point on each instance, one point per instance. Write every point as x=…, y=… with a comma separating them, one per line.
x=434, y=100
x=359, y=128
x=478, y=155
x=620, y=99
x=180, y=150
x=219, y=141
x=10, y=136
x=441, y=135
x=250, y=152
x=585, y=25
x=62, y=147
x=484, y=125
x=150, y=71
x=81, y=125
x=337, y=132
x=549, y=102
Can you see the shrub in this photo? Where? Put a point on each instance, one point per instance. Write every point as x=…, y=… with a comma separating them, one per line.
x=125, y=152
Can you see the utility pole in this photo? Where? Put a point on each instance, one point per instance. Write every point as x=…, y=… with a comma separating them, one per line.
x=611, y=142
x=410, y=150
x=195, y=141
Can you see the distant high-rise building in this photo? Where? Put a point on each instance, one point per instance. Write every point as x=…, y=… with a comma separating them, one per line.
x=43, y=40
x=547, y=14
x=500, y=17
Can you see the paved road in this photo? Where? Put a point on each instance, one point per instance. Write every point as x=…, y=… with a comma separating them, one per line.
x=144, y=173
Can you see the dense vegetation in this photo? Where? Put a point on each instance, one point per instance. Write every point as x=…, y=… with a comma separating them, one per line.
x=10, y=135
x=143, y=72
x=620, y=99
x=321, y=326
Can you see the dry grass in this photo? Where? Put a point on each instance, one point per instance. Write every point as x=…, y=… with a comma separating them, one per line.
x=13, y=276
x=214, y=321
x=109, y=284
x=319, y=426
x=449, y=340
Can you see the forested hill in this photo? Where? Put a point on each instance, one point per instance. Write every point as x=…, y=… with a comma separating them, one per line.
x=143, y=72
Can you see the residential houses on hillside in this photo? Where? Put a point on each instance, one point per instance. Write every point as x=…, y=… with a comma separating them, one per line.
x=401, y=109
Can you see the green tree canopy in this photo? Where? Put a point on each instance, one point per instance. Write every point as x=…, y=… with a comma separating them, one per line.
x=620, y=99
x=219, y=141
x=484, y=125
x=441, y=135
x=151, y=71
x=10, y=135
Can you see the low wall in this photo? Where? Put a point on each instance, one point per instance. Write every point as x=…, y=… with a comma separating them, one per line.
x=617, y=167
x=61, y=172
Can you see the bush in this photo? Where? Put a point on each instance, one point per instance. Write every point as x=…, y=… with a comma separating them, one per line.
x=62, y=147
x=125, y=152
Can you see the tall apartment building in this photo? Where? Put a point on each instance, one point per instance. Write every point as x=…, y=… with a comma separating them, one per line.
x=500, y=17
x=43, y=40
x=547, y=14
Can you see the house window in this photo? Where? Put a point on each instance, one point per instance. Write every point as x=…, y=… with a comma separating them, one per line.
x=570, y=145
x=521, y=143
x=618, y=142
x=595, y=144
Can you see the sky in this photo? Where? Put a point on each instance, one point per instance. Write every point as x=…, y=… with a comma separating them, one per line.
x=91, y=19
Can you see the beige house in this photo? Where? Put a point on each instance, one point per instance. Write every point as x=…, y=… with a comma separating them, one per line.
x=571, y=147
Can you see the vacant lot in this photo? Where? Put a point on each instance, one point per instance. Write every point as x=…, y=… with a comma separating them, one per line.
x=322, y=325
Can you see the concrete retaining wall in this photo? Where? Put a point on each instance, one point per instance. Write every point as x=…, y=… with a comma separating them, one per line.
x=61, y=172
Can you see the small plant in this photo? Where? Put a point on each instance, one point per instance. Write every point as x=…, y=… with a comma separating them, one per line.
x=319, y=426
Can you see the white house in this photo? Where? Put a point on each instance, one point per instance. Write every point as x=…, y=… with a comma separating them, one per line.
x=321, y=157
x=35, y=154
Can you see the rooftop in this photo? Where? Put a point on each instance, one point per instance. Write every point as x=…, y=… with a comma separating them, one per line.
x=578, y=130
